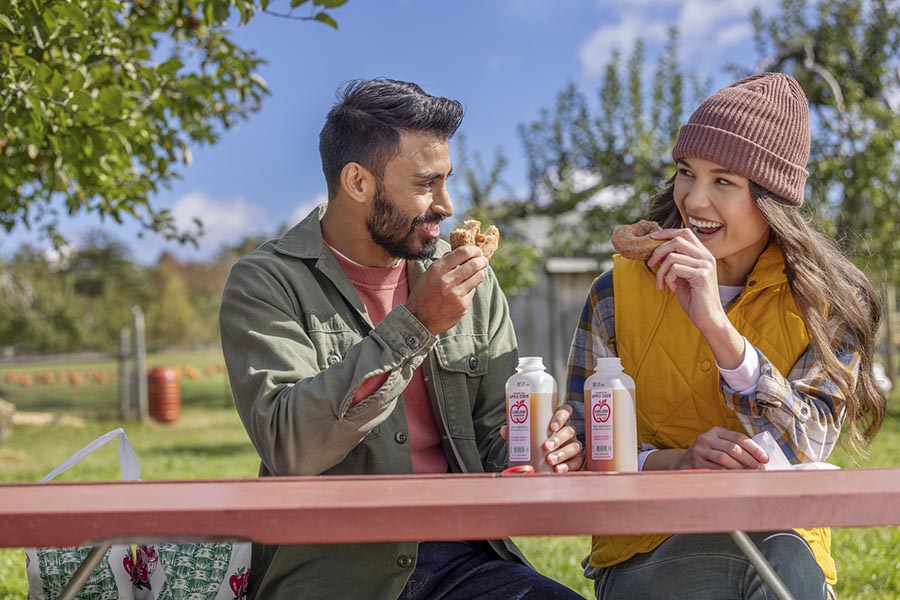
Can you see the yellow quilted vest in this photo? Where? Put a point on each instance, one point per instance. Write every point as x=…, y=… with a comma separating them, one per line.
x=678, y=394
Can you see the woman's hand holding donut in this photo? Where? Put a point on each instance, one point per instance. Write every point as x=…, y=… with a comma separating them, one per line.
x=688, y=269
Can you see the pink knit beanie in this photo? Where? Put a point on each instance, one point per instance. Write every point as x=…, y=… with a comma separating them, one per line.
x=758, y=127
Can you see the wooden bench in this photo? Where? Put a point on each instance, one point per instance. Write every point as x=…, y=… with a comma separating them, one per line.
x=447, y=507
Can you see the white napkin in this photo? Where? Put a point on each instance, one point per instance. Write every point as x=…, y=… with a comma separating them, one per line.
x=778, y=461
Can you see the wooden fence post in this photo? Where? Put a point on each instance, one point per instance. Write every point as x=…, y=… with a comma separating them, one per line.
x=140, y=365
x=126, y=409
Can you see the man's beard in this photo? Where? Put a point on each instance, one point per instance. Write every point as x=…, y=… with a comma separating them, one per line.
x=393, y=232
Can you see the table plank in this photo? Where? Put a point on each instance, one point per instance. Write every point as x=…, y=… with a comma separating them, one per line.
x=447, y=507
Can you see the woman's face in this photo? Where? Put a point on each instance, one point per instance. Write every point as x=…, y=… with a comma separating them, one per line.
x=716, y=204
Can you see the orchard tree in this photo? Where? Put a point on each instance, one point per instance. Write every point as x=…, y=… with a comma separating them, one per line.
x=594, y=164
x=484, y=194
x=846, y=56
x=101, y=100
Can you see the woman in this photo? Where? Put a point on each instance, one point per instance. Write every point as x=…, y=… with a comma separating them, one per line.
x=744, y=320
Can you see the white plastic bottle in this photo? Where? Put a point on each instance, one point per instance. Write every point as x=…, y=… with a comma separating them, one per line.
x=610, y=421
x=531, y=400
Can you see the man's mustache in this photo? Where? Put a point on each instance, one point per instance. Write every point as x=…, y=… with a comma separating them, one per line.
x=429, y=217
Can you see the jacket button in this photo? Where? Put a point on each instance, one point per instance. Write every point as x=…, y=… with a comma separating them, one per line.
x=705, y=365
x=333, y=358
x=404, y=561
x=400, y=437
x=751, y=283
x=412, y=341
x=473, y=362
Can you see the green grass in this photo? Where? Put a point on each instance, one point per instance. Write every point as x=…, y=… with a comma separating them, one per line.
x=208, y=441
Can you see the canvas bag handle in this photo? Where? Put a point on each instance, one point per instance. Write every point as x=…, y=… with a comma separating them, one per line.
x=128, y=460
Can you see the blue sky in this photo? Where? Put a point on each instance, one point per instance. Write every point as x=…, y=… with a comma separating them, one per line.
x=503, y=59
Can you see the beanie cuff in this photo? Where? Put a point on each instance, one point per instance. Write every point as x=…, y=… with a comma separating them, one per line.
x=744, y=158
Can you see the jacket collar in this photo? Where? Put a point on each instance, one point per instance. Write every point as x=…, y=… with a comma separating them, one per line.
x=304, y=240
x=769, y=269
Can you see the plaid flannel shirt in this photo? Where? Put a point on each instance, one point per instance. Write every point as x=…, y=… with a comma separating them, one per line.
x=802, y=411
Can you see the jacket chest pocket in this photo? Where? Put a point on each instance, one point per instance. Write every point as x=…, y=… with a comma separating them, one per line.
x=462, y=359
x=331, y=337
x=465, y=353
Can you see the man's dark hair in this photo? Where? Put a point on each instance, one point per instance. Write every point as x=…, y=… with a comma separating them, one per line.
x=365, y=124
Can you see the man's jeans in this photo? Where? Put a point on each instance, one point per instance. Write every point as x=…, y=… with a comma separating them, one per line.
x=460, y=571
x=712, y=567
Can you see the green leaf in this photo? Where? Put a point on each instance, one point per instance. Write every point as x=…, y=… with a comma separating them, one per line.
x=81, y=99
x=329, y=3
x=111, y=101
x=57, y=82
x=326, y=18
x=73, y=14
x=4, y=20
x=170, y=66
x=296, y=3
x=76, y=81
x=220, y=9
x=42, y=74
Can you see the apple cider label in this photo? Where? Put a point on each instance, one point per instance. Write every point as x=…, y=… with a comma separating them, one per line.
x=519, y=423
x=601, y=424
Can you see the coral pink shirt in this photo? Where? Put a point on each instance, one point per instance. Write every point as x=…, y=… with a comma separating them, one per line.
x=381, y=289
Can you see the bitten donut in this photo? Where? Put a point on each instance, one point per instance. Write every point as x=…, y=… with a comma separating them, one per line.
x=470, y=235
x=634, y=241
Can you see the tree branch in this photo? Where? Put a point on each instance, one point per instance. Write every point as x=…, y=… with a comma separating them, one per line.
x=809, y=61
x=288, y=15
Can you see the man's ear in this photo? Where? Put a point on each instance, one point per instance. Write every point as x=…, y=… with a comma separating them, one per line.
x=357, y=182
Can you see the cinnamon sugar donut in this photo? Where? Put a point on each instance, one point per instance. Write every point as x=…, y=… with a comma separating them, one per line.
x=470, y=235
x=634, y=241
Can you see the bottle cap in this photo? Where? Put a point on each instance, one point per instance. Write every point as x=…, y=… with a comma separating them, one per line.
x=518, y=470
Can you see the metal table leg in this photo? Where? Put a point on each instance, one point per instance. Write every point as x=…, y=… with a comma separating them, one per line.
x=765, y=570
x=84, y=571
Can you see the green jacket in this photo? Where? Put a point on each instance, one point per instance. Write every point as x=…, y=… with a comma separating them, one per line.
x=298, y=343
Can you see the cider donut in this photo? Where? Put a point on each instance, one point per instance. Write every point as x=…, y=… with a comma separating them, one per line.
x=634, y=241
x=470, y=235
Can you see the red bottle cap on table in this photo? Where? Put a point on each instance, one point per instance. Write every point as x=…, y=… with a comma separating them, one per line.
x=518, y=470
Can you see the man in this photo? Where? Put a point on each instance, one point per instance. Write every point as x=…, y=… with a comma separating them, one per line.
x=357, y=343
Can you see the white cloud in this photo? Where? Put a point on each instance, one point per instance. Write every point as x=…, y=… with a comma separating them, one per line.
x=734, y=34
x=304, y=208
x=596, y=52
x=705, y=28
x=224, y=221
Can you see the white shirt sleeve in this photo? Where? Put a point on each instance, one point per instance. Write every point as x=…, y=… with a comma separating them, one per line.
x=743, y=378
x=643, y=454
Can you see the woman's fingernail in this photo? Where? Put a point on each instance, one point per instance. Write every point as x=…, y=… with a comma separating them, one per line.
x=551, y=445
x=563, y=468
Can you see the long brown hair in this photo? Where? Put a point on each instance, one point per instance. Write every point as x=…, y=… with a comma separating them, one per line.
x=830, y=292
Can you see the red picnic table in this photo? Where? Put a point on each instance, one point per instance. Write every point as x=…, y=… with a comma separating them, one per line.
x=353, y=509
